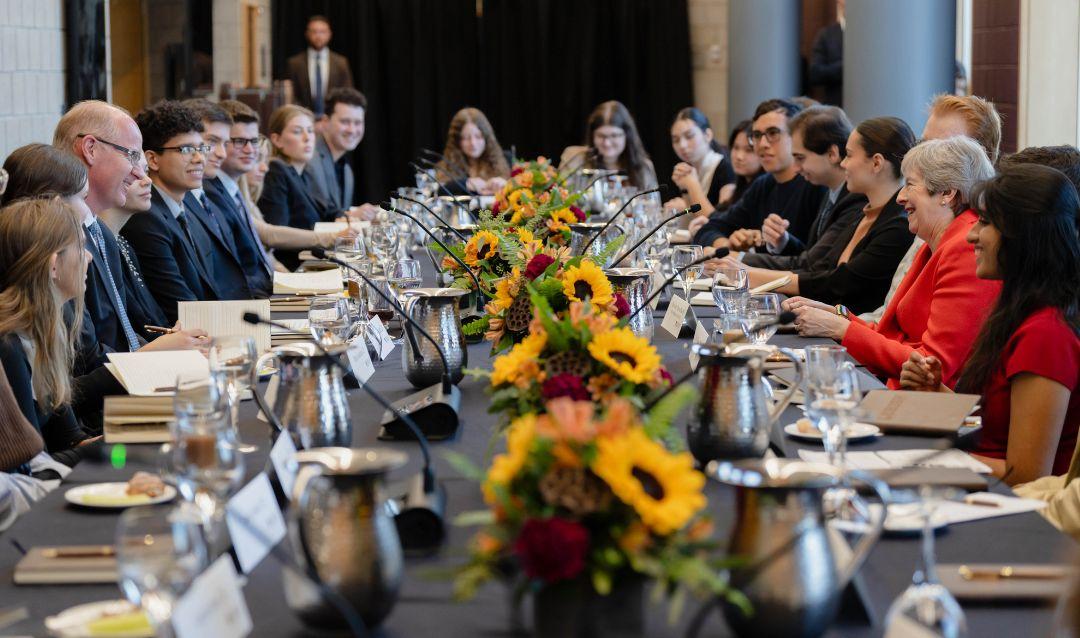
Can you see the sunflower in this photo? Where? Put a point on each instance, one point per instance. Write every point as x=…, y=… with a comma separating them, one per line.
x=663, y=488
x=586, y=282
x=505, y=291
x=481, y=246
x=631, y=356
x=504, y=467
x=560, y=219
x=521, y=360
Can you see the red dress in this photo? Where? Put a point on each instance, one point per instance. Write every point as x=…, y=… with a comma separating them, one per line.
x=1046, y=346
x=937, y=309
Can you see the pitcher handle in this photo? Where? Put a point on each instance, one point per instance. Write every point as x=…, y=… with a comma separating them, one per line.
x=786, y=397
x=410, y=301
x=866, y=543
x=260, y=400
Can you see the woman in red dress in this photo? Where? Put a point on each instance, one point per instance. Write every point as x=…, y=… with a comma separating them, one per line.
x=940, y=304
x=1026, y=360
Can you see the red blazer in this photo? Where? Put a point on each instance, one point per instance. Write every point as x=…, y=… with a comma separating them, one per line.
x=937, y=310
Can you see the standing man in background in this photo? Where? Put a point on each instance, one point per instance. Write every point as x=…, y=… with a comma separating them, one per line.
x=318, y=70
x=827, y=59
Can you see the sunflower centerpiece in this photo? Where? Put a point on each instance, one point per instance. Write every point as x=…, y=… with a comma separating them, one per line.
x=581, y=353
x=591, y=500
x=537, y=195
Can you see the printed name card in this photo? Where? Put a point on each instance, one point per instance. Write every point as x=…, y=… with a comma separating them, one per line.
x=701, y=335
x=283, y=459
x=380, y=338
x=214, y=605
x=673, y=318
x=360, y=361
x=255, y=523
x=656, y=282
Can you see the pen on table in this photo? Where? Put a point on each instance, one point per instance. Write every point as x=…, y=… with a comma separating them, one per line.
x=971, y=500
x=168, y=331
x=18, y=546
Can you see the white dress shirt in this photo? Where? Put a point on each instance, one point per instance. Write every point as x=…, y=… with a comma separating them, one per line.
x=322, y=58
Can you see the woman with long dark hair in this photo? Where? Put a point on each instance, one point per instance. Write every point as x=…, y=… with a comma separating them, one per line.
x=1026, y=359
x=473, y=159
x=703, y=169
x=612, y=142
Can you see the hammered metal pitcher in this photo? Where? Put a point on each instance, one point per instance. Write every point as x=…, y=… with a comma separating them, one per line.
x=435, y=309
x=733, y=417
x=634, y=285
x=581, y=233
x=793, y=568
x=342, y=533
x=310, y=402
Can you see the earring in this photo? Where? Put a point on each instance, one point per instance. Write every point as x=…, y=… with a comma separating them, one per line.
x=943, y=202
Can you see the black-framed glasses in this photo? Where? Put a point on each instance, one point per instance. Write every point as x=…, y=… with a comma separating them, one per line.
x=772, y=134
x=133, y=155
x=187, y=149
x=241, y=142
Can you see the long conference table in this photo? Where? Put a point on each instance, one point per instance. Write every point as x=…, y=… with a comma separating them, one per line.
x=426, y=606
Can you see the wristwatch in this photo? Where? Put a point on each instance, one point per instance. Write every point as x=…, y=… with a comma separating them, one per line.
x=842, y=310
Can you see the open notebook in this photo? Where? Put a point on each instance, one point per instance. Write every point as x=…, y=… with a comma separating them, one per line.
x=154, y=373
x=320, y=282
x=226, y=318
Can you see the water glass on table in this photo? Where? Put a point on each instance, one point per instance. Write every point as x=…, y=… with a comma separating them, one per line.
x=384, y=242
x=405, y=275
x=328, y=318
x=681, y=259
x=759, y=322
x=350, y=249
x=233, y=358
x=731, y=290
x=159, y=552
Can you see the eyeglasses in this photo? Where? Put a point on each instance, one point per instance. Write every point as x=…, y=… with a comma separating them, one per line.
x=133, y=155
x=772, y=134
x=241, y=142
x=610, y=137
x=188, y=149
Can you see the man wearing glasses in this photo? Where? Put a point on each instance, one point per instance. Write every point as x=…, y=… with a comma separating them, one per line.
x=781, y=191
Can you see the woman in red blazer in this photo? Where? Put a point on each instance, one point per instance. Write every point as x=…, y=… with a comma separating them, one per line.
x=940, y=304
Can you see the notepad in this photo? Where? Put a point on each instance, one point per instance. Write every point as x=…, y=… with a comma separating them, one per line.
x=337, y=227
x=898, y=459
x=703, y=299
x=146, y=373
x=67, y=565
x=935, y=413
x=319, y=282
x=130, y=419
x=771, y=285
x=226, y=318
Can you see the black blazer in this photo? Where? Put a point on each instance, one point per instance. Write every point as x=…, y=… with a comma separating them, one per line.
x=136, y=286
x=258, y=275
x=287, y=200
x=60, y=429
x=338, y=71
x=172, y=269
x=229, y=277
x=102, y=316
x=827, y=63
x=862, y=282
x=847, y=211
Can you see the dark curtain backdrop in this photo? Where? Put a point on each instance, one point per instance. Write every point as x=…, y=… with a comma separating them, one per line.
x=535, y=67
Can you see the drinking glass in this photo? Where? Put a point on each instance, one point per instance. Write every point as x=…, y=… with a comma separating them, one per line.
x=159, y=552
x=731, y=290
x=233, y=357
x=350, y=249
x=329, y=319
x=384, y=242
x=405, y=275
x=759, y=322
x=682, y=257
x=925, y=607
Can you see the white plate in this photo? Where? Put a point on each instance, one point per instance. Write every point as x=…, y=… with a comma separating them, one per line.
x=76, y=496
x=857, y=432
x=73, y=622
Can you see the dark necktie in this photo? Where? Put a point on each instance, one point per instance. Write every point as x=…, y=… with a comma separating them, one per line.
x=183, y=221
x=823, y=215
x=211, y=215
x=318, y=100
x=254, y=234
x=118, y=301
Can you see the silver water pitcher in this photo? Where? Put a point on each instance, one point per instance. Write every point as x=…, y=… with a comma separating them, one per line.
x=455, y=209
x=634, y=285
x=435, y=309
x=310, y=401
x=733, y=417
x=343, y=536
x=793, y=568
x=581, y=233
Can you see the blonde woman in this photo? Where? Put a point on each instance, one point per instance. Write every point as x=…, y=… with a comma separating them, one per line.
x=42, y=267
x=473, y=157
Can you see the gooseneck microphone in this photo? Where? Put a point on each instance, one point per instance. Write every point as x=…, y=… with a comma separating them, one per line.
x=460, y=182
x=678, y=271
x=443, y=188
x=688, y=211
x=664, y=191
x=436, y=407
x=480, y=298
x=442, y=221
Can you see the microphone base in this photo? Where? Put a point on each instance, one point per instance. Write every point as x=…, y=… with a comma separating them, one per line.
x=420, y=521
x=435, y=413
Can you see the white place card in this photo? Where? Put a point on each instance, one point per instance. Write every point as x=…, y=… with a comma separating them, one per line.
x=214, y=605
x=255, y=523
x=283, y=458
x=271, y=395
x=380, y=338
x=673, y=318
x=360, y=361
x=656, y=282
x=701, y=335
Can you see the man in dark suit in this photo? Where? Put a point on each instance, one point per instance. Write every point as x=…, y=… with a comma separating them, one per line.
x=827, y=59
x=237, y=263
x=330, y=172
x=172, y=246
x=318, y=70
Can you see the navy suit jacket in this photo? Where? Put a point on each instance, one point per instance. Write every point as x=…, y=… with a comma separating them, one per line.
x=172, y=269
x=102, y=315
x=224, y=266
x=247, y=249
x=287, y=201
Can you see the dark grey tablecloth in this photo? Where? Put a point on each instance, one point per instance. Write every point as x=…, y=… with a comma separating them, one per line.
x=426, y=608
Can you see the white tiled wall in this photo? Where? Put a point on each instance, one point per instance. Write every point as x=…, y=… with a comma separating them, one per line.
x=31, y=71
